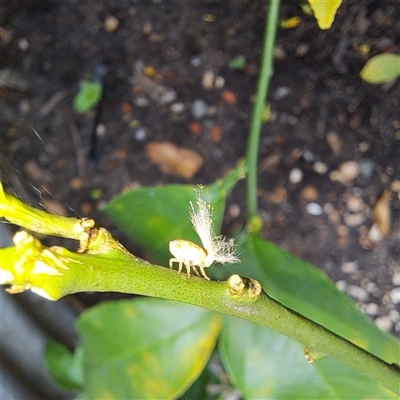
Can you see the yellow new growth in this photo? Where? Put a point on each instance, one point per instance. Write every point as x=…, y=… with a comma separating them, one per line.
x=215, y=248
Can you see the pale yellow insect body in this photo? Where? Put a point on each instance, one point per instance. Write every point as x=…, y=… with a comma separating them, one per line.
x=215, y=248
x=189, y=254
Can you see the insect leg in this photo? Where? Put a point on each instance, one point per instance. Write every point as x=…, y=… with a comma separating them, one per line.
x=188, y=265
x=179, y=261
x=195, y=270
x=201, y=266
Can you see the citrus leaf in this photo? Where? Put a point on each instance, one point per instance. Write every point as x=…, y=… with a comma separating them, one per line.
x=381, y=68
x=308, y=291
x=88, y=96
x=152, y=216
x=265, y=364
x=65, y=368
x=324, y=11
x=145, y=349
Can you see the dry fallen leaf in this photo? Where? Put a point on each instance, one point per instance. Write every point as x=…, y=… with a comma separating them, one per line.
x=158, y=93
x=380, y=217
x=54, y=207
x=174, y=160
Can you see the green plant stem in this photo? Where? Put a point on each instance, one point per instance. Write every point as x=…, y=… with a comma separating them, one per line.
x=19, y=213
x=109, y=267
x=266, y=72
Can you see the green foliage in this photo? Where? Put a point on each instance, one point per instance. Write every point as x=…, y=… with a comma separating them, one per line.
x=154, y=348
x=145, y=349
x=308, y=291
x=88, y=96
x=382, y=68
x=121, y=340
x=239, y=62
x=64, y=367
x=278, y=371
x=163, y=212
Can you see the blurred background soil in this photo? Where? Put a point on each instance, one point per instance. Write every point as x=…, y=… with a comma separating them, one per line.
x=328, y=154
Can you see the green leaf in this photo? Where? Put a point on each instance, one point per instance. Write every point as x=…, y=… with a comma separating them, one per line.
x=88, y=96
x=211, y=375
x=153, y=216
x=308, y=291
x=239, y=62
x=64, y=367
x=324, y=11
x=83, y=396
x=381, y=68
x=265, y=364
x=145, y=349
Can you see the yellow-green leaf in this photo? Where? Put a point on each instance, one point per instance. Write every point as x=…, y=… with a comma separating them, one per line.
x=381, y=68
x=325, y=11
x=263, y=364
x=145, y=348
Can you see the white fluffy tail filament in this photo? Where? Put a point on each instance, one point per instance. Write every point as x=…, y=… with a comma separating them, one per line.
x=215, y=248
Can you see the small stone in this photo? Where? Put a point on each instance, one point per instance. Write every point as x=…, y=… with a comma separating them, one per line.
x=76, y=183
x=111, y=24
x=384, y=323
x=386, y=300
x=234, y=211
x=229, y=97
x=140, y=134
x=208, y=80
x=308, y=155
x=101, y=130
x=349, y=170
x=372, y=288
x=354, y=219
x=141, y=101
x=394, y=295
x=363, y=146
x=357, y=293
x=367, y=168
x=219, y=82
x=328, y=208
x=310, y=193
x=397, y=327
x=346, y=172
x=277, y=196
x=279, y=53
x=147, y=28
x=342, y=230
x=371, y=309
x=396, y=278
x=314, y=208
x=334, y=142
x=349, y=267
x=341, y=285
x=296, y=175
x=395, y=186
x=195, y=61
x=320, y=168
x=354, y=203
x=177, y=108
x=199, y=109
x=394, y=315
x=23, y=44
x=302, y=49
x=195, y=128
x=281, y=92
x=375, y=234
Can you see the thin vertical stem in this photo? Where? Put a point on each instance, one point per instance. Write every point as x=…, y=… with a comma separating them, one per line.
x=266, y=72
